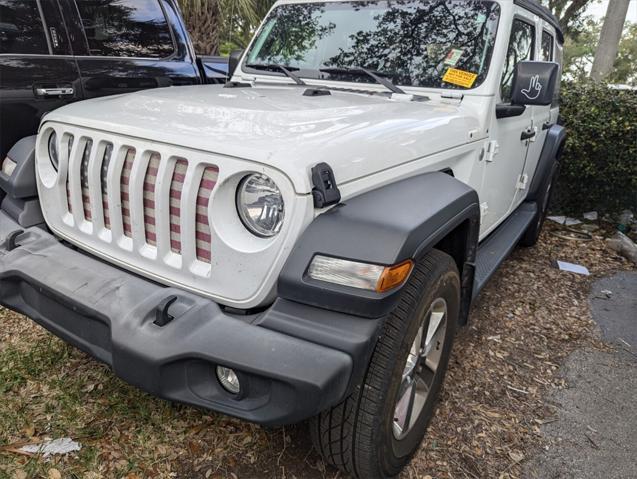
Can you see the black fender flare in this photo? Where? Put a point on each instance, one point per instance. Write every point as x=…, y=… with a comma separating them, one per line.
x=396, y=222
x=22, y=183
x=19, y=191
x=551, y=153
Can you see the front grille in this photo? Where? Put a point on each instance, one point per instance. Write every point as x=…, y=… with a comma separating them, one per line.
x=123, y=198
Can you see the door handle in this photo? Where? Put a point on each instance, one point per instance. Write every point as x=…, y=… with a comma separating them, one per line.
x=528, y=134
x=58, y=91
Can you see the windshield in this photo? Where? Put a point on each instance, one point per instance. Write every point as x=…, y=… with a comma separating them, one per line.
x=420, y=43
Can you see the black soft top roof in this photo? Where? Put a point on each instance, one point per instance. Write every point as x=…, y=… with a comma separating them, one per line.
x=543, y=12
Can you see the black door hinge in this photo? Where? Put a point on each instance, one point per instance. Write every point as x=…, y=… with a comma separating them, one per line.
x=325, y=190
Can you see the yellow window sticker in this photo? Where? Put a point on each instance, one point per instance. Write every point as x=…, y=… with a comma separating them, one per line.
x=460, y=77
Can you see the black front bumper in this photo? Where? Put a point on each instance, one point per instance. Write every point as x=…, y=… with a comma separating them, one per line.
x=293, y=360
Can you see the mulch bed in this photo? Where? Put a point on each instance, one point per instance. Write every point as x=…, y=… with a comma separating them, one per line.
x=528, y=319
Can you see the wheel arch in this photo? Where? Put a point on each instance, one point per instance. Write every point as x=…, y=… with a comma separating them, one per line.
x=551, y=153
x=386, y=226
x=461, y=244
x=18, y=190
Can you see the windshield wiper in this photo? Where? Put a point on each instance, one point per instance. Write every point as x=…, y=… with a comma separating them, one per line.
x=282, y=68
x=364, y=71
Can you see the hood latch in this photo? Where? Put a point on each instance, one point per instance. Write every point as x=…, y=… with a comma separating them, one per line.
x=325, y=191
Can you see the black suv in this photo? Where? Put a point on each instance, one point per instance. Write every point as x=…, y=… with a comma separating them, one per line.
x=54, y=52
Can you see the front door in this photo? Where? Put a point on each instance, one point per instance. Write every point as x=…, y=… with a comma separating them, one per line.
x=513, y=132
x=37, y=72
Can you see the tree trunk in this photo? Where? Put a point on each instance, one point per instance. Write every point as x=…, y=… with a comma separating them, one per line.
x=609, y=39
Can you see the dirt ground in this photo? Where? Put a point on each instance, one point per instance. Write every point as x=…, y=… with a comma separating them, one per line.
x=488, y=425
x=594, y=433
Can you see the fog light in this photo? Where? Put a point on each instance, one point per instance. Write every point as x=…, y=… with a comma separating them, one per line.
x=229, y=380
x=8, y=166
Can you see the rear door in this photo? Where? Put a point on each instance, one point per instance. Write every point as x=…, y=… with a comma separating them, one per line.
x=126, y=45
x=37, y=72
x=543, y=116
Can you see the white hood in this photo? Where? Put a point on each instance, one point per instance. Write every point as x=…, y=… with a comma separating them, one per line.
x=356, y=133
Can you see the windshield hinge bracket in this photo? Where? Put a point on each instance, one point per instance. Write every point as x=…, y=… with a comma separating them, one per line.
x=325, y=191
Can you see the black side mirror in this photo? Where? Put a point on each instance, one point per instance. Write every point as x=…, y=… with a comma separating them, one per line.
x=534, y=83
x=233, y=62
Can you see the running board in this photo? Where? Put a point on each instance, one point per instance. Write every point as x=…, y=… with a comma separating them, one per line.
x=496, y=248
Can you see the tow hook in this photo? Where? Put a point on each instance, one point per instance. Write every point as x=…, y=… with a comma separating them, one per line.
x=11, y=241
x=162, y=315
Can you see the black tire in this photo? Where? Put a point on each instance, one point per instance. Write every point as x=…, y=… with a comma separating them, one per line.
x=532, y=234
x=357, y=436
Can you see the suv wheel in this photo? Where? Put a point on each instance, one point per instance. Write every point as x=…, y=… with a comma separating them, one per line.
x=375, y=431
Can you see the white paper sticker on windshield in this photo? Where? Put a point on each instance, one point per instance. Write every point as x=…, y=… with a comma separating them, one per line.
x=453, y=57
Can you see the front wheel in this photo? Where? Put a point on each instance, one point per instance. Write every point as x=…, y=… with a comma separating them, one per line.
x=377, y=429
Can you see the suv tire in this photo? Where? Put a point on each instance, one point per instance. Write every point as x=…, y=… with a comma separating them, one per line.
x=369, y=435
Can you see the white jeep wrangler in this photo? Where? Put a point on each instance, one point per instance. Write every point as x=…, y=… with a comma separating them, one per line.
x=303, y=242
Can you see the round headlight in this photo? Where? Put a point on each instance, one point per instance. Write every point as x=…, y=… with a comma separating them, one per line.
x=53, y=150
x=260, y=205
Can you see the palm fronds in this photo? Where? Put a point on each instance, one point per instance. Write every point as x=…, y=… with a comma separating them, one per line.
x=211, y=22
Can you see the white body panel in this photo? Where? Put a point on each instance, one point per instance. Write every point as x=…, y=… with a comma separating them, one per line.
x=271, y=128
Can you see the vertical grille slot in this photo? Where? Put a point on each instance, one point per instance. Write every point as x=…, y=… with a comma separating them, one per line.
x=125, y=190
x=69, y=204
x=203, y=233
x=106, y=161
x=176, y=188
x=150, y=182
x=86, y=195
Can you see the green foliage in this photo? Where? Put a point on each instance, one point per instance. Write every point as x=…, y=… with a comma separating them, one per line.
x=580, y=48
x=220, y=26
x=625, y=70
x=599, y=166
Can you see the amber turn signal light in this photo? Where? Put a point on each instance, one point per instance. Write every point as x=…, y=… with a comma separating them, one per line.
x=394, y=276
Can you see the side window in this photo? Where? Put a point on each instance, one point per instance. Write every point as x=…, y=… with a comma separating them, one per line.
x=547, y=47
x=126, y=28
x=21, y=28
x=521, y=47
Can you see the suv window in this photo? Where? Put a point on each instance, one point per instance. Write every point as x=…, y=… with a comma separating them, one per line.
x=21, y=28
x=126, y=28
x=521, y=46
x=547, y=47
